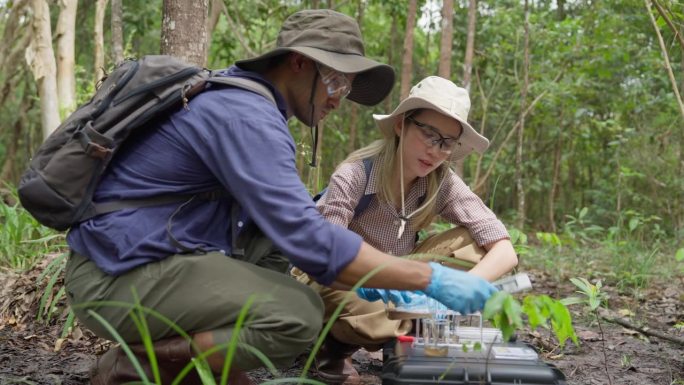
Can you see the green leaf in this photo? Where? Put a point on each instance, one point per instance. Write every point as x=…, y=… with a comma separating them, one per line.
x=633, y=224
x=572, y=301
x=534, y=314
x=679, y=255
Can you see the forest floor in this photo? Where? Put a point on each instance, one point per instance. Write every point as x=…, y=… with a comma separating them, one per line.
x=32, y=353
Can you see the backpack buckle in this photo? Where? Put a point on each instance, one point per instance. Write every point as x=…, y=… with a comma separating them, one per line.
x=98, y=151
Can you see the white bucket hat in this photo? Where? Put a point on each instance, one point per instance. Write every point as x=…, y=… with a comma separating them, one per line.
x=441, y=95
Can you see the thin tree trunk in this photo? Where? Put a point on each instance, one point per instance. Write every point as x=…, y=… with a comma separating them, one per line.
x=470, y=44
x=217, y=7
x=98, y=33
x=554, y=182
x=468, y=69
x=117, y=32
x=353, y=115
x=8, y=168
x=390, y=58
x=515, y=128
x=663, y=14
x=66, y=80
x=679, y=219
x=561, y=9
x=41, y=59
x=447, y=39
x=184, y=30
x=666, y=58
x=519, y=173
x=407, y=60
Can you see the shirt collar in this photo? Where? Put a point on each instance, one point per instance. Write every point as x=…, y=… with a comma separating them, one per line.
x=240, y=73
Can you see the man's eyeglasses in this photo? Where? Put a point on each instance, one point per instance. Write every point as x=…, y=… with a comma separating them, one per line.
x=432, y=137
x=337, y=84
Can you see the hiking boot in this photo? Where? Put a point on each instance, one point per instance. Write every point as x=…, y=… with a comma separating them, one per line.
x=334, y=363
x=173, y=354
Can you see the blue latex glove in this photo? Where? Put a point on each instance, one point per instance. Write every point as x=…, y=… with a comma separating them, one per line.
x=458, y=290
x=386, y=295
x=420, y=301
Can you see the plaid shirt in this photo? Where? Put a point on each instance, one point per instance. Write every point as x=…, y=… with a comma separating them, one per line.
x=379, y=223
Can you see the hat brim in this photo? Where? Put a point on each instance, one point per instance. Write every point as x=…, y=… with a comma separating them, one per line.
x=470, y=139
x=373, y=81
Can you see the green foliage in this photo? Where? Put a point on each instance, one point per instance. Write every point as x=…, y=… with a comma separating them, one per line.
x=24, y=241
x=519, y=241
x=592, y=294
x=679, y=257
x=505, y=313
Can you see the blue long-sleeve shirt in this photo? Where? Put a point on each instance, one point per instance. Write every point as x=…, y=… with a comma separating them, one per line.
x=230, y=138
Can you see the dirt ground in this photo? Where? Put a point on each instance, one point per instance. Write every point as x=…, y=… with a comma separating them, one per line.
x=32, y=353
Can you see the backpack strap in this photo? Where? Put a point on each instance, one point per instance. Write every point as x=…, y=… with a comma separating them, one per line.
x=107, y=207
x=365, y=198
x=244, y=83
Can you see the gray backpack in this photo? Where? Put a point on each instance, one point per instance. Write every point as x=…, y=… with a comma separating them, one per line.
x=58, y=187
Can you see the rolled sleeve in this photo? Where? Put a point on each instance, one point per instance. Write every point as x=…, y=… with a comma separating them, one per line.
x=460, y=206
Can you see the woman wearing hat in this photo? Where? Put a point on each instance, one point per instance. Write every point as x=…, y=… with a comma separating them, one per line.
x=411, y=183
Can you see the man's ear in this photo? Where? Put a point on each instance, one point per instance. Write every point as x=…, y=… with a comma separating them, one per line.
x=298, y=62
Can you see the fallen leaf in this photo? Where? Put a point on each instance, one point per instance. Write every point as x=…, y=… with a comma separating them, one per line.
x=626, y=313
x=588, y=335
x=58, y=344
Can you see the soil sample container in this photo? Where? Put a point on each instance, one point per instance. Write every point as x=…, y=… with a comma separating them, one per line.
x=436, y=334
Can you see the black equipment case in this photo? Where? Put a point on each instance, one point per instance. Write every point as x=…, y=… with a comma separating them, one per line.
x=405, y=362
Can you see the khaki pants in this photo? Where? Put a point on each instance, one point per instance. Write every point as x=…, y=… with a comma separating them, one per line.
x=204, y=292
x=365, y=323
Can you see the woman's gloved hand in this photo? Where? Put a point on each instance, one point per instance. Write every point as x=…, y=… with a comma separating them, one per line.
x=459, y=291
x=386, y=295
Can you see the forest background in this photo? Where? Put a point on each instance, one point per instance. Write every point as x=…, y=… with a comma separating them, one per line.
x=581, y=101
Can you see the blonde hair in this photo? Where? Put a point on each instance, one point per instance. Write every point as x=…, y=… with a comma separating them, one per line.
x=384, y=155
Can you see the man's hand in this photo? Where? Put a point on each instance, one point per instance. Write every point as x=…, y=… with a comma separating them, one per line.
x=386, y=295
x=458, y=290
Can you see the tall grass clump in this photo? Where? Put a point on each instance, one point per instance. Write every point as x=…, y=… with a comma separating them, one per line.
x=24, y=241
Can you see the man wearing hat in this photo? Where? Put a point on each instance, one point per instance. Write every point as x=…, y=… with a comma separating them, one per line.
x=182, y=261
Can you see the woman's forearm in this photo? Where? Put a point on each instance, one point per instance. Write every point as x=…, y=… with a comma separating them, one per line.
x=499, y=260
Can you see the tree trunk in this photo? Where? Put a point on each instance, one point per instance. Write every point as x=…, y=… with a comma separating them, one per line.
x=390, y=58
x=20, y=125
x=41, y=58
x=217, y=8
x=117, y=32
x=447, y=40
x=558, y=156
x=353, y=114
x=470, y=45
x=184, y=30
x=98, y=33
x=468, y=69
x=519, y=173
x=407, y=59
x=66, y=80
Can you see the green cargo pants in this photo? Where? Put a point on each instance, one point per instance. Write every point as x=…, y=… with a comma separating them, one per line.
x=205, y=292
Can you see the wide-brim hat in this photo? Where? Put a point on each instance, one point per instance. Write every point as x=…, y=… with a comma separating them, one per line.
x=441, y=95
x=332, y=39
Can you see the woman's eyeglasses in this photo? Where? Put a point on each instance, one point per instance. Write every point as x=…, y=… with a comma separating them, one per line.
x=432, y=137
x=337, y=84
